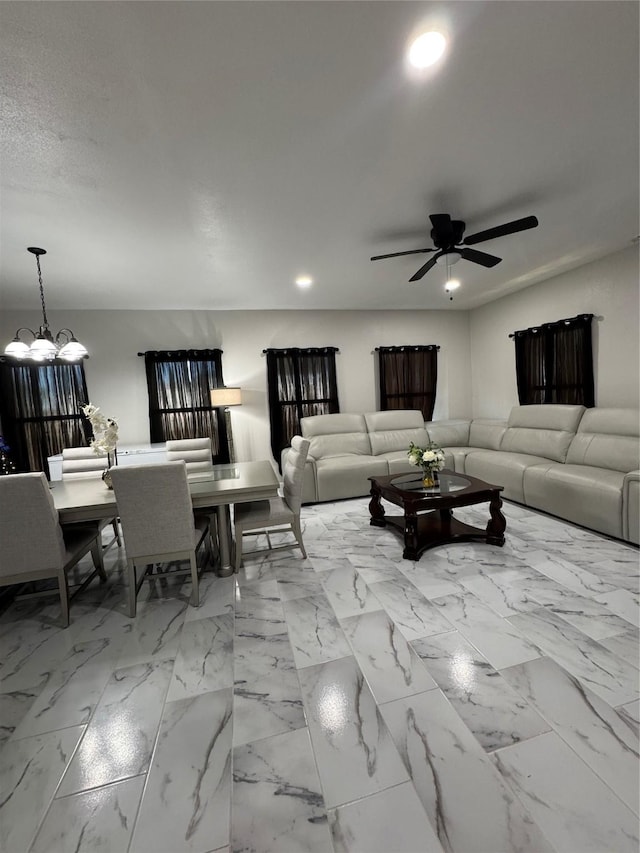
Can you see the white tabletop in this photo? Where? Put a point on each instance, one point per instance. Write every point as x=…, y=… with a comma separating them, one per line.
x=86, y=500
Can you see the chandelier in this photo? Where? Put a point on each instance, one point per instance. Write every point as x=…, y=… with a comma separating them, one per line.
x=44, y=346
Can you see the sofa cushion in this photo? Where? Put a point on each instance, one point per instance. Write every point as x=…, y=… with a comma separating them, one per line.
x=453, y=433
x=486, y=433
x=395, y=430
x=336, y=435
x=501, y=468
x=347, y=476
x=454, y=457
x=607, y=438
x=332, y=424
x=394, y=419
x=582, y=494
x=544, y=431
x=398, y=462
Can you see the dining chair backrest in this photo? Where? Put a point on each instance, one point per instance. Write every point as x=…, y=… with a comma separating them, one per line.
x=30, y=534
x=293, y=473
x=80, y=463
x=155, y=508
x=195, y=452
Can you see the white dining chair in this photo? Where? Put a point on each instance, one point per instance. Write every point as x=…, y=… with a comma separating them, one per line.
x=158, y=523
x=280, y=514
x=33, y=544
x=195, y=452
x=82, y=463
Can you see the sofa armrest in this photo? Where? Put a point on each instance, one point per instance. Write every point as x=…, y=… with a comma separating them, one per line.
x=631, y=507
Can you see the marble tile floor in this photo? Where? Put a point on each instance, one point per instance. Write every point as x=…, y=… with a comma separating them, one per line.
x=479, y=700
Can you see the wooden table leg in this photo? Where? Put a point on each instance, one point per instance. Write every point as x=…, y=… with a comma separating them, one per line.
x=411, y=537
x=497, y=523
x=376, y=509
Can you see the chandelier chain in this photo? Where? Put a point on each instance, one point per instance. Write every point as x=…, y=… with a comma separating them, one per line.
x=44, y=307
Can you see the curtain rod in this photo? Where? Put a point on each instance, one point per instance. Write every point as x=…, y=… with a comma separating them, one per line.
x=307, y=350
x=554, y=325
x=435, y=347
x=176, y=351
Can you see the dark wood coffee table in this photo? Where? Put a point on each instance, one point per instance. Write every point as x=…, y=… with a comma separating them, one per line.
x=428, y=512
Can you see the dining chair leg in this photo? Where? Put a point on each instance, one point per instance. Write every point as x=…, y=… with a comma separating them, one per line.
x=116, y=531
x=238, y=549
x=211, y=548
x=297, y=530
x=63, y=587
x=131, y=589
x=98, y=561
x=195, y=591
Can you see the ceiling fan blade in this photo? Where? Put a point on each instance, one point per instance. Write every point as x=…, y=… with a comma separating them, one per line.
x=425, y=269
x=477, y=257
x=502, y=230
x=397, y=254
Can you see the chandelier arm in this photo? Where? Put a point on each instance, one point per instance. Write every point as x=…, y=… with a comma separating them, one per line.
x=24, y=329
x=68, y=335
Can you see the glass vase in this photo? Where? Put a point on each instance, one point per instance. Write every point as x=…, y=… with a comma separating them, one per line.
x=106, y=474
x=429, y=478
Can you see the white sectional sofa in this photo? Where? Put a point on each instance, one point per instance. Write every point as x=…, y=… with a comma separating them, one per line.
x=582, y=465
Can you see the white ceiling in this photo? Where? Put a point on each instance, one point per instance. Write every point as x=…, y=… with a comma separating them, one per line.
x=203, y=154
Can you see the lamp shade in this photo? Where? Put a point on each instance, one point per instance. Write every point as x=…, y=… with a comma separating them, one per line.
x=226, y=397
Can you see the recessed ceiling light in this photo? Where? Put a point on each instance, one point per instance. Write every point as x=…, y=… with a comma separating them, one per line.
x=304, y=281
x=426, y=49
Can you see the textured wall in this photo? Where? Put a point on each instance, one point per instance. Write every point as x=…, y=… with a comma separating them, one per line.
x=476, y=361
x=116, y=379
x=607, y=288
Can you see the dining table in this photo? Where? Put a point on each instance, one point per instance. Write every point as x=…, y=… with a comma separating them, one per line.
x=91, y=500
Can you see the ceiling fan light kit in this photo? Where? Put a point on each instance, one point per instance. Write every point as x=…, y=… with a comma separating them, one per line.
x=450, y=247
x=44, y=346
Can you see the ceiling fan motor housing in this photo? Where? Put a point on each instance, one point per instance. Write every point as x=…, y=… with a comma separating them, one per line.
x=447, y=233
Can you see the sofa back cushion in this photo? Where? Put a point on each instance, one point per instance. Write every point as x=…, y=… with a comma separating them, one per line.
x=486, y=433
x=607, y=438
x=453, y=433
x=545, y=430
x=336, y=435
x=395, y=430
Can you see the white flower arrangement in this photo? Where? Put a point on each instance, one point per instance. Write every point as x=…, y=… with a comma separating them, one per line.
x=105, y=430
x=429, y=458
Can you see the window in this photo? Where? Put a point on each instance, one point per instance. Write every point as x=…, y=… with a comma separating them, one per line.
x=40, y=409
x=301, y=382
x=179, y=383
x=554, y=362
x=408, y=378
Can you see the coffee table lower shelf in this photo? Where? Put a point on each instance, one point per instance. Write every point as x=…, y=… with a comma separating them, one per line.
x=438, y=527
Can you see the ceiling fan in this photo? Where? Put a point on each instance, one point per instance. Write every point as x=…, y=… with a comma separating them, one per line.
x=450, y=247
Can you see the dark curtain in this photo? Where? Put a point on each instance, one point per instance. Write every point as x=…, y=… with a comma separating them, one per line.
x=554, y=363
x=530, y=366
x=301, y=382
x=40, y=410
x=179, y=383
x=408, y=378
